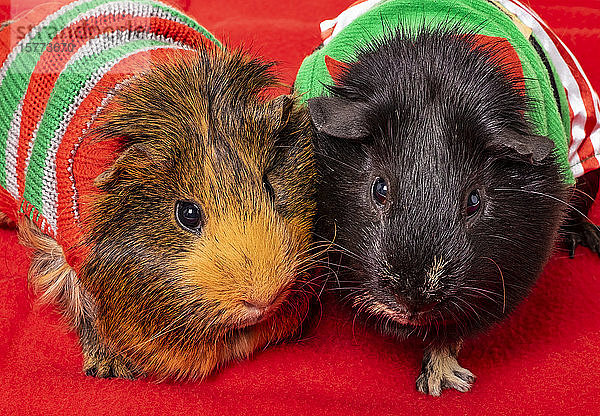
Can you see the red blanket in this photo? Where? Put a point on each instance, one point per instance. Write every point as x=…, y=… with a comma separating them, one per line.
x=544, y=360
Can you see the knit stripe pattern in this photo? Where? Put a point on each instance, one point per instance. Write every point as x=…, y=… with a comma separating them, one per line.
x=60, y=65
x=582, y=99
x=572, y=121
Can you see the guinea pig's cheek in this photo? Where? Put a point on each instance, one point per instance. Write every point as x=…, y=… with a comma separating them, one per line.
x=299, y=239
x=200, y=268
x=240, y=263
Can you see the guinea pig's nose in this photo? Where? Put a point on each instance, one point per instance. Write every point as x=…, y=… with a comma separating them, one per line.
x=256, y=311
x=254, y=307
x=262, y=302
x=253, y=312
x=426, y=307
x=402, y=302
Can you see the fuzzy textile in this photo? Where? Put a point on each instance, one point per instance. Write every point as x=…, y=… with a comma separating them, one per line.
x=544, y=360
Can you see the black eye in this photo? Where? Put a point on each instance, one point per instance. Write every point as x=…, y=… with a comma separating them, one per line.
x=380, y=191
x=473, y=202
x=189, y=215
x=268, y=188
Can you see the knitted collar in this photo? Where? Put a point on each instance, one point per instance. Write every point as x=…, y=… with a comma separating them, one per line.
x=573, y=122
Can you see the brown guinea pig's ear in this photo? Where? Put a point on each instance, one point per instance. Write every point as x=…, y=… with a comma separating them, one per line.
x=338, y=118
x=280, y=109
x=530, y=148
x=137, y=155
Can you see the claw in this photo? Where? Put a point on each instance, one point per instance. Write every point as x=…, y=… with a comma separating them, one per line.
x=102, y=364
x=441, y=370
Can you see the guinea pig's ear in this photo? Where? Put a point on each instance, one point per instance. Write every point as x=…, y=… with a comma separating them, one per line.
x=338, y=117
x=530, y=148
x=136, y=155
x=280, y=109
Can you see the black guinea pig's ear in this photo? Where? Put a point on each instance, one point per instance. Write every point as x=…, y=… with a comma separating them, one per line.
x=338, y=117
x=529, y=148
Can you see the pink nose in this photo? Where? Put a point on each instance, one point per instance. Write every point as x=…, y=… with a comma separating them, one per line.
x=255, y=304
x=254, y=309
x=254, y=312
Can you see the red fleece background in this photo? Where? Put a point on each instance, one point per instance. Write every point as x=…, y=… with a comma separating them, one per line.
x=544, y=360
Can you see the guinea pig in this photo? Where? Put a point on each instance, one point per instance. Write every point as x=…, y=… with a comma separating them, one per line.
x=442, y=133
x=167, y=197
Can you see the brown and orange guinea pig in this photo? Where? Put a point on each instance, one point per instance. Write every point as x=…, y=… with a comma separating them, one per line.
x=172, y=221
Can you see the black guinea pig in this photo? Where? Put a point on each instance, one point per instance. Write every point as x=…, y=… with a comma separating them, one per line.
x=441, y=197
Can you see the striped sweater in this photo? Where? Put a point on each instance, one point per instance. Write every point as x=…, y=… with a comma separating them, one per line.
x=569, y=114
x=60, y=64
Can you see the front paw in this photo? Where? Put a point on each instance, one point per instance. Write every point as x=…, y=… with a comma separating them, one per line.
x=103, y=364
x=441, y=371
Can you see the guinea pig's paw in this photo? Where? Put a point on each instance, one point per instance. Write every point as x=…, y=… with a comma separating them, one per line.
x=441, y=371
x=586, y=234
x=104, y=364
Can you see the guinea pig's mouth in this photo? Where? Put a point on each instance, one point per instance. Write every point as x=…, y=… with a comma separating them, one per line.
x=248, y=322
x=400, y=315
x=249, y=319
x=405, y=317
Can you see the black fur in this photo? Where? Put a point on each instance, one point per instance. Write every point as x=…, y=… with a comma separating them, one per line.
x=443, y=117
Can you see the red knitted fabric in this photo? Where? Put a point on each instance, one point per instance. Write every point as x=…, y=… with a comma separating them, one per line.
x=544, y=360
x=60, y=64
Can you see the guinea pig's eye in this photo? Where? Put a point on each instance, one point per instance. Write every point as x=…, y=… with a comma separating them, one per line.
x=380, y=191
x=189, y=215
x=473, y=202
x=268, y=188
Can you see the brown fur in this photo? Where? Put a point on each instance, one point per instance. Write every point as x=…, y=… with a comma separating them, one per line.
x=152, y=297
x=5, y=221
x=56, y=282
x=51, y=277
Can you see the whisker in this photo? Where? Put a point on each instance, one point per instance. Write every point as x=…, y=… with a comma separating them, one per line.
x=584, y=194
x=551, y=197
x=503, y=286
